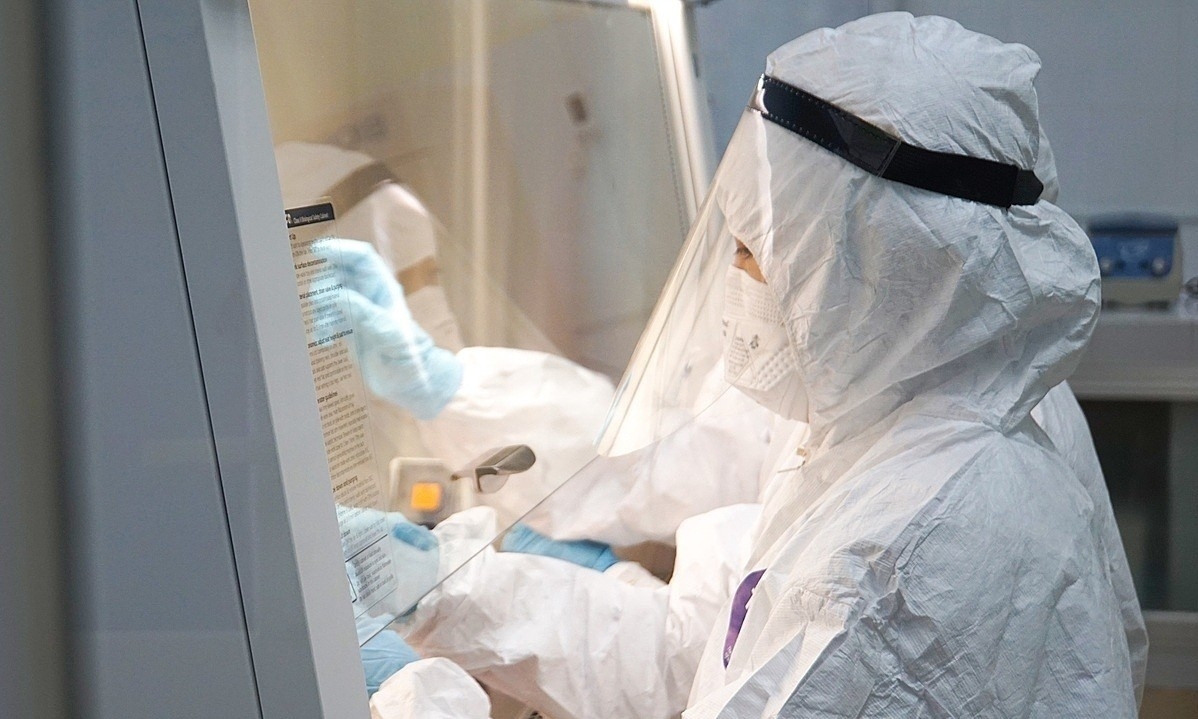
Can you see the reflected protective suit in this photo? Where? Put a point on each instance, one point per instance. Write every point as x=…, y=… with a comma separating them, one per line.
x=506, y=395
x=430, y=689
x=373, y=207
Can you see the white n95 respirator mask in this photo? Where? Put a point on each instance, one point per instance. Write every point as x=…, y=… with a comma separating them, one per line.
x=758, y=358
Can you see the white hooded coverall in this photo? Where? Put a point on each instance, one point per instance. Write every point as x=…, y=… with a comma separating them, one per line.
x=935, y=554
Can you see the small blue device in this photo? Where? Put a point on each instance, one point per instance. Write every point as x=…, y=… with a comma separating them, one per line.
x=1139, y=257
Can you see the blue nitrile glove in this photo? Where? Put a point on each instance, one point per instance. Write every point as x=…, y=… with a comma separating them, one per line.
x=411, y=533
x=359, y=267
x=398, y=358
x=382, y=656
x=585, y=553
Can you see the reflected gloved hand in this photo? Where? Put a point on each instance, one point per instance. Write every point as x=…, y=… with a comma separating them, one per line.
x=382, y=656
x=398, y=358
x=418, y=556
x=359, y=267
x=584, y=553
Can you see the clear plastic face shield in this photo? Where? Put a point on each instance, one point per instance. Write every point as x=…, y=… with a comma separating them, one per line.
x=680, y=368
x=717, y=328
x=686, y=418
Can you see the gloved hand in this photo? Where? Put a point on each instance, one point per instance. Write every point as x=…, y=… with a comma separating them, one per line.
x=382, y=656
x=359, y=267
x=417, y=556
x=398, y=359
x=585, y=553
x=411, y=533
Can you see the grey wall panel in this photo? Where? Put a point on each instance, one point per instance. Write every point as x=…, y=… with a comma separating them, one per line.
x=250, y=338
x=32, y=651
x=157, y=620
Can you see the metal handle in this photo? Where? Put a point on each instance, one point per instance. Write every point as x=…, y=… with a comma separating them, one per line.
x=491, y=469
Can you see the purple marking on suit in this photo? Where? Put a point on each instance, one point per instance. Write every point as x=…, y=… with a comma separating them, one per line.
x=740, y=607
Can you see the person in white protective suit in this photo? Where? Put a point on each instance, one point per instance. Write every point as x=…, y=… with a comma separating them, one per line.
x=502, y=395
x=928, y=550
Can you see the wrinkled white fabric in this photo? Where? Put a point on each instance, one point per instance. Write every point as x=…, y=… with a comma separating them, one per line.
x=511, y=396
x=633, y=574
x=712, y=461
x=935, y=555
x=517, y=629
x=580, y=644
x=1061, y=418
x=430, y=689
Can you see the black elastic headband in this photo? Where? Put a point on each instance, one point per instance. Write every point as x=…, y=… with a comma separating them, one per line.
x=880, y=153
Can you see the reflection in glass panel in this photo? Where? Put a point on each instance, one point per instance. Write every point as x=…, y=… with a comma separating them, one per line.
x=511, y=164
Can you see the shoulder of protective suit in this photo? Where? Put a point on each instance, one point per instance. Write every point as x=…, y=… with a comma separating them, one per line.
x=920, y=479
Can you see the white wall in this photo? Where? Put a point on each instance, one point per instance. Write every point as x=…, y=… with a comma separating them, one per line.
x=734, y=36
x=1118, y=90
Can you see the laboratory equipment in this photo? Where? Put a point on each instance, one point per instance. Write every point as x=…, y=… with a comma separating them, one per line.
x=547, y=268
x=195, y=466
x=1139, y=256
x=490, y=471
x=420, y=488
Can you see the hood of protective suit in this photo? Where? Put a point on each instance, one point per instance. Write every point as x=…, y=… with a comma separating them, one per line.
x=893, y=294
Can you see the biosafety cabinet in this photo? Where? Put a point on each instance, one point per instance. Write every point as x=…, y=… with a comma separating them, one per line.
x=526, y=168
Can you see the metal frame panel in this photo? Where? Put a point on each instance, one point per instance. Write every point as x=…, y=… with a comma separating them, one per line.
x=156, y=623
x=690, y=117
x=673, y=23
x=191, y=451
x=250, y=339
